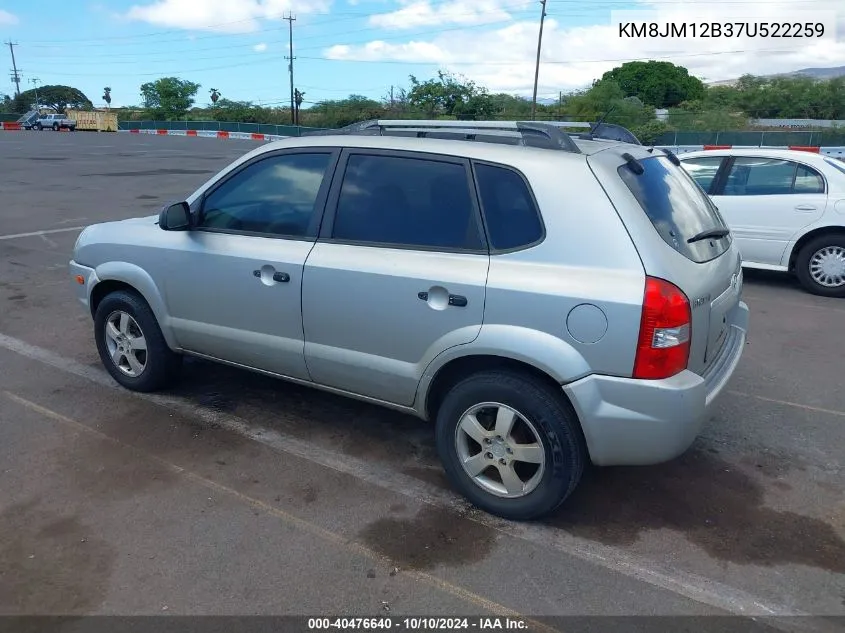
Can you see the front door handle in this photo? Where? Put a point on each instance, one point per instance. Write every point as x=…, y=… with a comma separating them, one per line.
x=806, y=207
x=454, y=300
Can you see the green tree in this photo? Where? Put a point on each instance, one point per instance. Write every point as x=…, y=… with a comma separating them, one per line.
x=606, y=98
x=450, y=95
x=58, y=98
x=658, y=84
x=169, y=98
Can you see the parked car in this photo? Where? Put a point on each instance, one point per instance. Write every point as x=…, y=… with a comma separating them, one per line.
x=54, y=122
x=786, y=209
x=544, y=305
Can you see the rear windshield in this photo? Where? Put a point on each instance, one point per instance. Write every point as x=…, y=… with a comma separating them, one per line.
x=677, y=207
x=836, y=164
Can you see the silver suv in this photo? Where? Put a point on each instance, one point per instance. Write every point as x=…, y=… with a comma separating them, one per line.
x=546, y=298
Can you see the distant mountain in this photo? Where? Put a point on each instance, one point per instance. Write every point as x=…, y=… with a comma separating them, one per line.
x=815, y=73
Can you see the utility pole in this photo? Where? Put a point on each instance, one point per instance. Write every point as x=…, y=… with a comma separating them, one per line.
x=290, y=18
x=34, y=81
x=537, y=66
x=391, y=97
x=560, y=106
x=15, y=75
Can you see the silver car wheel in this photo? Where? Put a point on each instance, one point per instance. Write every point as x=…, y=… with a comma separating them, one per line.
x=126, y=343
x=827, y=266
x=500, y=449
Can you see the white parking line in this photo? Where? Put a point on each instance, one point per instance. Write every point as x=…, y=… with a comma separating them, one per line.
x=692, y=586
x=15, y=236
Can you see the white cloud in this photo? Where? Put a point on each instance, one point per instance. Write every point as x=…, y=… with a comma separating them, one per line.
x=7, y=18
x=225, y=16
x=423, y=13
x=260, y=48
x=503, y=58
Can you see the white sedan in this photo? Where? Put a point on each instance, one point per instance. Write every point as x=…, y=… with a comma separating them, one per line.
x=785, y=208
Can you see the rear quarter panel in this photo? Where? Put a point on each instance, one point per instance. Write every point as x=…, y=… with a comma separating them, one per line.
x=584, y=281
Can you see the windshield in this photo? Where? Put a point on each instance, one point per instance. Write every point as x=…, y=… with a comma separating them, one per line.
x=677, y=207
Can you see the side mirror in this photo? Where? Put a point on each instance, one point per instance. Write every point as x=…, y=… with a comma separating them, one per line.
x=176, y=217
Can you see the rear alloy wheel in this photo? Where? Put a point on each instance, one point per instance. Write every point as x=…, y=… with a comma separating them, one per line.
x=821, y=266
x=510, y=444
x=131, y=345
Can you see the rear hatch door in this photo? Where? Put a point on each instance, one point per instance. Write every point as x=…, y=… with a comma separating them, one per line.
x=681, y=237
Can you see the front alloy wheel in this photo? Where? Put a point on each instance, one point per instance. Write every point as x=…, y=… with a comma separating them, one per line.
x=126, y=343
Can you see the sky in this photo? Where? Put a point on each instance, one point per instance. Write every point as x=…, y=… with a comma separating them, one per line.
x=364, y=47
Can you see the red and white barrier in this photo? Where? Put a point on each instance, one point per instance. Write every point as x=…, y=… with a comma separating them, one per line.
x=247, y=136
x=836, y=152
x=10, y=126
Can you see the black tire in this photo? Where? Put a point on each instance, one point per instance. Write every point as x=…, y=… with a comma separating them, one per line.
x=55, y=127
x=38, y=127
x=162, y=365
x=551, y=415
x=803, y=261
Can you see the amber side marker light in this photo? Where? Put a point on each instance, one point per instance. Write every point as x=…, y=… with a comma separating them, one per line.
x=80, y=280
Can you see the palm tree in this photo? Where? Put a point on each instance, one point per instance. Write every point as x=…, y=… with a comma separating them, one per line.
x=215, y=95
x=107, y=96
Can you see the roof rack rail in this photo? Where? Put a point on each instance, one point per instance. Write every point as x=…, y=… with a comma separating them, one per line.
x=529, y=133
x=601, y=131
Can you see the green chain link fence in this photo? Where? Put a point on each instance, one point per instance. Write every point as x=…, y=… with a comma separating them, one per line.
x=829, y=138
x=824, y=138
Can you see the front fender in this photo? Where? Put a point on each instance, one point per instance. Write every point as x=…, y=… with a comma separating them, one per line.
x=550, y=354
x=141, y=281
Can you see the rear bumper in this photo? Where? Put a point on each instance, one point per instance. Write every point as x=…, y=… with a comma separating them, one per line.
x=638, y=422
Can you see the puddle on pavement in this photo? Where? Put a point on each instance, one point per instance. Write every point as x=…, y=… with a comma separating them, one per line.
x=103, y=470
x=355, y=428
x=430, y=538
x=434, y=476
x=51, y=563
x=713, y=503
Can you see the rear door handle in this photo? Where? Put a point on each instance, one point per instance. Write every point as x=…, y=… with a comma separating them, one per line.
x=277, y=276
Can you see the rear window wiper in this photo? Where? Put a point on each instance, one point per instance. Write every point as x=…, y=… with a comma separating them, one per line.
x=714, y=233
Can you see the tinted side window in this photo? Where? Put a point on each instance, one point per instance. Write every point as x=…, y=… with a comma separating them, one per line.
x=512, y=218
x=275, y=195
x=406, y=201
x=703, y=170
x=760, y=177
x=808, y=181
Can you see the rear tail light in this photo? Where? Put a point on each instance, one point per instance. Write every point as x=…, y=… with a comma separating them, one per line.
x=665, y=329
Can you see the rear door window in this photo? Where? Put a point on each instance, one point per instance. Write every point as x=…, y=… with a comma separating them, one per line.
x=753, y=176
x=677, y=207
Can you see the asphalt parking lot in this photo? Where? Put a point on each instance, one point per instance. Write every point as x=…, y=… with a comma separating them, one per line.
x=237, y=494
